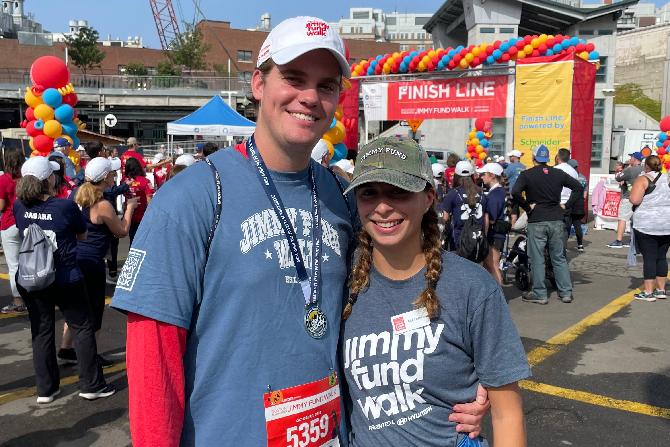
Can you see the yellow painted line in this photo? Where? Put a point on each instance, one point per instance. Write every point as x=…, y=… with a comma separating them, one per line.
x=69, y=380
x=108, y=299
x=559, y=341
x=4, y=276
x=596, y=399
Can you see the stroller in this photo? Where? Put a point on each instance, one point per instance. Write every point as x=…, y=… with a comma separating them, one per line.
x=514, y=261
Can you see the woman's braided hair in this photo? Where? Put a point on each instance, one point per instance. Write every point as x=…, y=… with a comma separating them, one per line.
x=359, y=278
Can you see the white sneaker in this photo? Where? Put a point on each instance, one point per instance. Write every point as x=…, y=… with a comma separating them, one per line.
x=47, y=399
x=107, y=391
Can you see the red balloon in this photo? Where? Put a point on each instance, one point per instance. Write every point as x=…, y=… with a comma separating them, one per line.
x=451, y=65
x=457, y=58
x=496, y=44
x=520, y=44
x=70, y=99
x=580, y=47
x=513, y=50
x=590, y=47
x=528, y=39
x=479, y=124
x=505, y=57
x=475, y=62
x=550, y=42
x=542, y=48
x=48, y=72
x=661, y=150
x=30, y=129
x=489, y=50
x=535, y=53
x=43, y=143
x=570, y=49
x=665, y=124
x=30, y=114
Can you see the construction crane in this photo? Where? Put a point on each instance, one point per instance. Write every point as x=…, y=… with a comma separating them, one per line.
x=166, y=21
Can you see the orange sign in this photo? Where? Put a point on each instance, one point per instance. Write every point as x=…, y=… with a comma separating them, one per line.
x=414, y=124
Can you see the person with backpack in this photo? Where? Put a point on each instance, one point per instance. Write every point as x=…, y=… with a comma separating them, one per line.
x=422, y=326
x=240, y=312
x=11, y=238
x=538, y=192
x=49, y=276
x=498, y=224
x=464, y=207
x=103, y=225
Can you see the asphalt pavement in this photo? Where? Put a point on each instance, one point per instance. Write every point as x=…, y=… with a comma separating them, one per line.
x=601, y=367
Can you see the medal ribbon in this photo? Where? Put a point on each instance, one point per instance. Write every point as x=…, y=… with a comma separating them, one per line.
x=310, y=289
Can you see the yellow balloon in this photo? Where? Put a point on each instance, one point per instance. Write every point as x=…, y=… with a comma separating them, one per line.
x=482, y=47
x=479, y=149
x=482, y=155
x=475, y=142
x=472, y=134
x=74, y=157
x=431, y=53
x=44, y=112
x=666, y=158
x=53, y=129
x=520, y=55
x=331, y=149
x=31, y=144
x=476, y=51
x=528, y=49
x=421, y=66
x=31, y=99
x=336, y=134
x=535, y=43
x=469, y=57
x=463, y=63
x=468, y=155
x=543, y=38
x=584, y=55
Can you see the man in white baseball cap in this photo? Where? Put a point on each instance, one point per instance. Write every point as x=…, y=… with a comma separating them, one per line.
x=514, y=167
x=39, y=167
x=211, y=388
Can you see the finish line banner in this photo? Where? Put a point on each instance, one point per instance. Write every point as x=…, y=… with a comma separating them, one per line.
x=436, y=99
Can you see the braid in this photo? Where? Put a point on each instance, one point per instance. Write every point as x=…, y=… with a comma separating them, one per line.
x=360, y=272
x=433, y=253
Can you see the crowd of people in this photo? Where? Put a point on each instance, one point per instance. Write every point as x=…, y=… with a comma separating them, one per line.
x=329, y=286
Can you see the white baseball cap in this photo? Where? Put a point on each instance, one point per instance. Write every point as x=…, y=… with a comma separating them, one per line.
x=346, y=165
x=492, y=168
x=185, y=160
x=98, y=168
x=320, y=150
x=515, y=153
x=39, y=167
x=464, y=168
x=438, y=169
x=298, y=35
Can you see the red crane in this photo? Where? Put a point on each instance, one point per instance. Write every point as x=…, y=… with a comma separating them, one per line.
x=166, y=22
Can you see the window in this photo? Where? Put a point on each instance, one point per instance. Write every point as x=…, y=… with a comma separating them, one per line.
x=507, y=30
x=391, y=21
x=598, y=130
x=586, y=32
x=420, y=21
x=243, y=56
x=497, y=142
x=605, y=32
x=486, y=30
x=601, y=74
x=360, y=15
x=244, y=76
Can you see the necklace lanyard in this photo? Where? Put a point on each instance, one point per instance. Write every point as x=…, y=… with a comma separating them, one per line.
x=310, y=289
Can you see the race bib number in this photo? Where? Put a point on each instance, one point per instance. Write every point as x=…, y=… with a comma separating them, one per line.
x=306, y=415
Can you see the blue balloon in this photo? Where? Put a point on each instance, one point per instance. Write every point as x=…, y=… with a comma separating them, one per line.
x=566, y=44
x=39, y=124
x=557, y=48
x=69, y=128
x=594, y=56
x=64, y=113
x=371, y=71
x=549, y=53
x=440, y=65
x=574, y=41
x=490, y=60
x=497, y=54
x=333, y=123
x=407, y=59
x=75, y=142
x=403, y=68
x=484, y=142
x=414, y=54
x=52, y=98
x=659, y=144
x=340, y=152
x=480, y=135
x=504, y=47
x=452, y=53
x=379, y=56
x=662, y=136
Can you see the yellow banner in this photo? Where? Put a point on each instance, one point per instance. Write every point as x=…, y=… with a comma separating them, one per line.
x=542, y=107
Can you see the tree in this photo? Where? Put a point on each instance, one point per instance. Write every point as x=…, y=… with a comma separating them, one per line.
x=167, y=68
x=136, y=69
x=189, y=50
x=633, y=94
x=83, y=49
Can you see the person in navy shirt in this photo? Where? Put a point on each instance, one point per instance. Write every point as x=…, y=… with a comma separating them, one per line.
x=491, y=175
x=464, y=198
x=63, y=224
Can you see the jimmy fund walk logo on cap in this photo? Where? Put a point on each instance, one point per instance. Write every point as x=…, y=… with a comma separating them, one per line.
x=387, y=150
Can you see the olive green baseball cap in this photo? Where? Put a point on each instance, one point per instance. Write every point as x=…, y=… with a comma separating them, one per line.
x=397, y=161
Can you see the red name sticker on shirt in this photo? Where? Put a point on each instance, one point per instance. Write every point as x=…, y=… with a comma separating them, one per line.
x=399, y=324
x=305, y=415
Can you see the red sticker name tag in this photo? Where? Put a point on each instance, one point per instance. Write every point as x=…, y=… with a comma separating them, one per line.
x=306, y=415
x=410, y=321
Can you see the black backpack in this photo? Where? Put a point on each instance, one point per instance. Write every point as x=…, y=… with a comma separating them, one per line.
x=473, y=244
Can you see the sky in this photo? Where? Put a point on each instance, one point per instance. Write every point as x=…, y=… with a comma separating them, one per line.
x=123, y=18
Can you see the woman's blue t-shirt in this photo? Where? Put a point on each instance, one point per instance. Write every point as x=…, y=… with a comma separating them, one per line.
x=62, y=221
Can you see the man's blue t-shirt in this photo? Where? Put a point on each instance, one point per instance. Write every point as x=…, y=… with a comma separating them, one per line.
x=243, y=308
x=70, y=169
x=403, y=386
x=61, y=221
x=496, y=199
x=456, y=204
x=512, y=172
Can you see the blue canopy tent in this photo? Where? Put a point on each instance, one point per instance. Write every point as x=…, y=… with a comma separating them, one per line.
x=214, y=119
